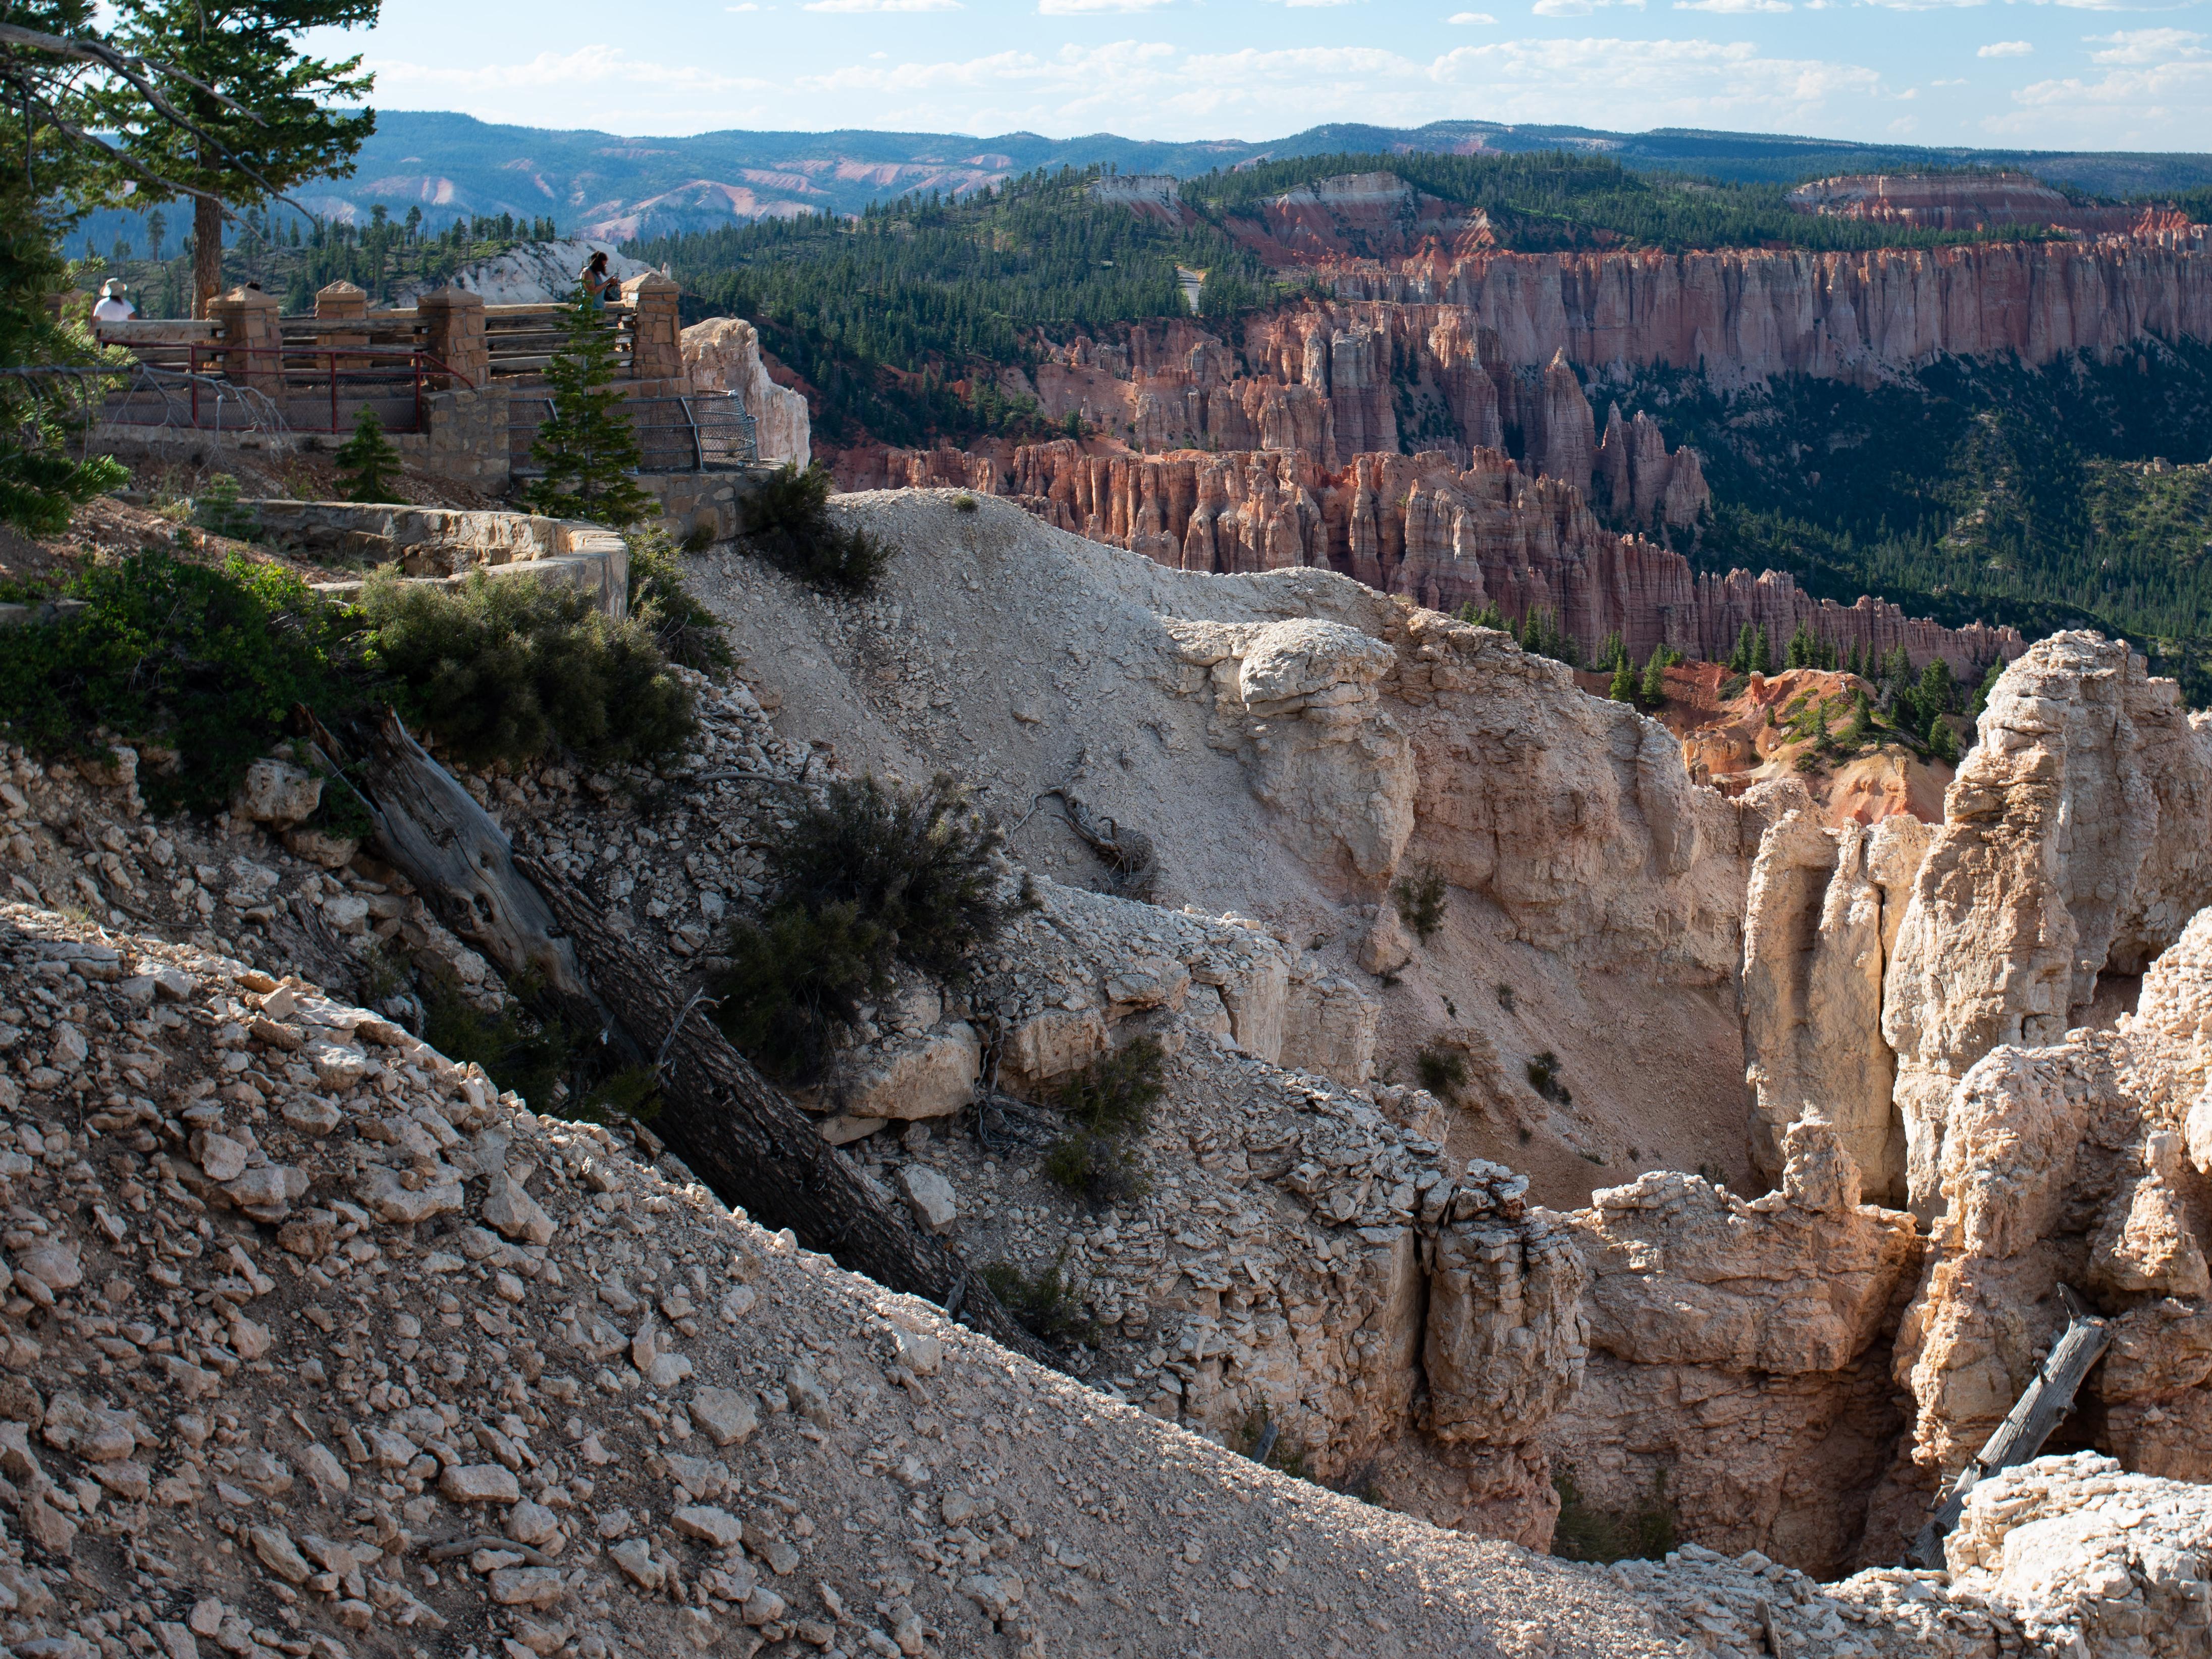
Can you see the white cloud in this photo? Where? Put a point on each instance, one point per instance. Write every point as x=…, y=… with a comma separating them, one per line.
x=2006, y=49
x=1470, y=17
x=2113, y=5
x=881, y=5
x=749, y=5
x=1088, y=8
x=1923, y=5
x=1578, y=8
x=1304, y=4
x=2147, y=46
x=2154, y=76
x=1734, y=8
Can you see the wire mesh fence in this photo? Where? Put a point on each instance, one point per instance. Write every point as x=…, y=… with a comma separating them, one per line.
x=706, y=432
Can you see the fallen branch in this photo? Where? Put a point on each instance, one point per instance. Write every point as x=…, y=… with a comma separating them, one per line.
x=741, y=1136
x=734, y=1130
x=2040, y=1408
x=461, y=860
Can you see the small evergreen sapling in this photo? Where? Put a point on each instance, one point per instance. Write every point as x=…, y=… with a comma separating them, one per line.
x=586, y=445
x=368, y=465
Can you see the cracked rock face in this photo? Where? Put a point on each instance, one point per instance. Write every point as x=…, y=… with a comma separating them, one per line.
x=1820, y=921
x=2074, y=841
x=1738, y=1354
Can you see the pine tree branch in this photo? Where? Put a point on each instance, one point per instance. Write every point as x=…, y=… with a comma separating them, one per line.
x=137, y=70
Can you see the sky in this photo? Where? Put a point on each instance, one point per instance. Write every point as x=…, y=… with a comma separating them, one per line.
x=2039, y=74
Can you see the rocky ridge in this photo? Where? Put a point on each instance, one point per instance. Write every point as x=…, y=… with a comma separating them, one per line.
x=1206, y=469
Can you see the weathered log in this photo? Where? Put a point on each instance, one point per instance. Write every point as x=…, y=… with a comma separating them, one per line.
x=457, y=854
x=2041, y=1407
x=734, y=1128
x=740, y=1135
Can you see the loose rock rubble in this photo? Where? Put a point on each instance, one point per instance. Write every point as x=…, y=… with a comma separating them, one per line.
x=322, y=1360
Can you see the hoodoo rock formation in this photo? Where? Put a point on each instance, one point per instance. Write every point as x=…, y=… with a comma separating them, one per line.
x=1977, y=201
x=1820, y=925
x=1207, y=469
x=2074, y=844
x=1740, y=1354
x=1444, y=536
x=1741, y=315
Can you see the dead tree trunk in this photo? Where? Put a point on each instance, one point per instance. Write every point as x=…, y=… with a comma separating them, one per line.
x=723, y=1119
x=450, y=848
x=751, y=1145
x=2039, y=1409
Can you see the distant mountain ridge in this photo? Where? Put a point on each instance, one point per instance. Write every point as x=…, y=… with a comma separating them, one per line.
x=605, y=185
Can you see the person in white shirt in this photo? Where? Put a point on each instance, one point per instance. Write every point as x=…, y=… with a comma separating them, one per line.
x=112, y=307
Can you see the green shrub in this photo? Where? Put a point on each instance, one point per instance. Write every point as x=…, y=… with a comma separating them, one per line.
x=1115, y=1093
x=216, y=510
x=920, y=864
x=1420, y=898
x=1100, y=1168
x=1108, y=1103
x=512, y=669
x=1043, y=1302
x=869, y=875
x=1442, y=1073
x=368, y=465
x=660, y=601
x=964, y=504
x=205, y=661
x=1587, y=1533
x=787, y=521
x=1544, y=1078
x=516, y=1051
x=210, y=661
x=795, y=984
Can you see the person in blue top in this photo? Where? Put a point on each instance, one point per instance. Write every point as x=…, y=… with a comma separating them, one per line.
x=600, y=284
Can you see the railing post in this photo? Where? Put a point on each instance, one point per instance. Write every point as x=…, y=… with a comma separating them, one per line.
x=656, y=337
x=453, y=325
x=250, y=330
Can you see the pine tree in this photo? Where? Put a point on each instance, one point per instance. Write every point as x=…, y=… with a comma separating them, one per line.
x=587, y=444
x=283, y=120
x=1943, y=741
x=368, y=463
x=1739, y=660
x=1799, y=653
x=1934, y=695
x=1614, y=653
x=1860, y=731
x=1652, y=692
x=1762, y=658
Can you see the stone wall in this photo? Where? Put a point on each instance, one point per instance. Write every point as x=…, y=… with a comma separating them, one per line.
x=441, y=544
x=694, y=501
x=464, y=437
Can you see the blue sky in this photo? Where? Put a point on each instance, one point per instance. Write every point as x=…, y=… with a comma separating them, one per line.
x=2045, y=73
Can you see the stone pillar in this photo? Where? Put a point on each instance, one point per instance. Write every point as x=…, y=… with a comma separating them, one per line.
x=246, y=318
x=453, y=333
x=656, y=342
x=342, y=303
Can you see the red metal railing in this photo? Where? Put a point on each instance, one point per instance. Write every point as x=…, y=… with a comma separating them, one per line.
x=358, y=374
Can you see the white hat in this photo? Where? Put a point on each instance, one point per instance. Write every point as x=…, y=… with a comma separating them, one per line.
x=112, y=289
